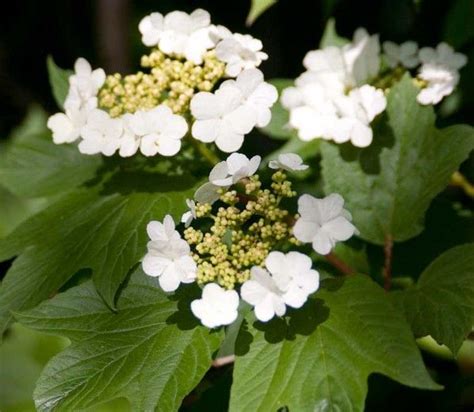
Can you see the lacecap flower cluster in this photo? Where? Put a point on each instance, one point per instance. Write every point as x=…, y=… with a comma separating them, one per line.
x=239, y=241
x=343, y=89
x=179, y=92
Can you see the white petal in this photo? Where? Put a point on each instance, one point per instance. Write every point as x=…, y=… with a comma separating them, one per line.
x=154, y=266
x=322, y=243
x=206, y=131
x=169, y=280
x=168, y=146
x=339, y=228
x=229, y=141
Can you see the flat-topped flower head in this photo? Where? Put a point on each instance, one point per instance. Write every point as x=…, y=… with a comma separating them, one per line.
x=240, y=52
x=158, y=130
x=288, y=161
x=405, y=54
x=179, y=33
x=323, y=222
x=216, y=307
x=168, y=256
x=288, y=281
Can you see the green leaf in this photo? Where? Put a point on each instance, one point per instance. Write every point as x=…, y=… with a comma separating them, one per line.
x=14, y=210
x=322, y=359
x=59, y=81
x=257, y=8
x=278, y=127
x=82, y=231
x=33, y=123
x=442, y=303
x=34, y=167
x=330, y=36
x=151, y=351
x=22, y=357
x=389, y=185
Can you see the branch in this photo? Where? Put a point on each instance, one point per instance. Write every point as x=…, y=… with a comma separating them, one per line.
x=387, y=267
x=340, y=265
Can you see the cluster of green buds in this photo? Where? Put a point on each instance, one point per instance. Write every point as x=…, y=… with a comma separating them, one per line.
x=239, y=230
x=171, y=80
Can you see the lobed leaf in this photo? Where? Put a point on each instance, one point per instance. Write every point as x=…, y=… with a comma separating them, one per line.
x=151, y=351
x=442, y=303
x=84, y=230
x=35, y=167
x=322, y=359
x=389, y=185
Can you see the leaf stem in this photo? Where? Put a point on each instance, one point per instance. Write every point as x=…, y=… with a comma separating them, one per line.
x=209, y=155
x=387, y=267
x=340, y=265
x=457, y=179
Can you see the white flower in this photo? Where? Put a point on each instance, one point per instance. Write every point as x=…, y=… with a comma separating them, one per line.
x=328, y=68
x=168, y=257
x=362, y=56
x=257, y=95
x=312, y=112
x=224, y=174
x=222, y=117
x=323, y=222
x=356, y=111
x=236, y=167
x=101, y=134
x=262, y=292
x=84, y=84
x=288, y=281
x=240, y=52
x=288, y=161
x=66, y=127
x=405, y=54
x=188, y=216
x=216, y=307
x=158, y=131
x=444, y=55
x=350, y=65
x=179, y=33
x=440, y=71
x=441, y=82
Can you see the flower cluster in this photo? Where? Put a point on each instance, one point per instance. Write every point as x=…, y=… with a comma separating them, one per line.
x=180, y=89
x=336, y=98
x=234, y=238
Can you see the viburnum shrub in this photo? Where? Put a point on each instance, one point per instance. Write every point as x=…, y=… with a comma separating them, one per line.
x=168, y=243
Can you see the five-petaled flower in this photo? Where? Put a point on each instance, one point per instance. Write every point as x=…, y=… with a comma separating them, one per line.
x=168, y=256
x=217, y=306
x=288, y=280
x=323, y=222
